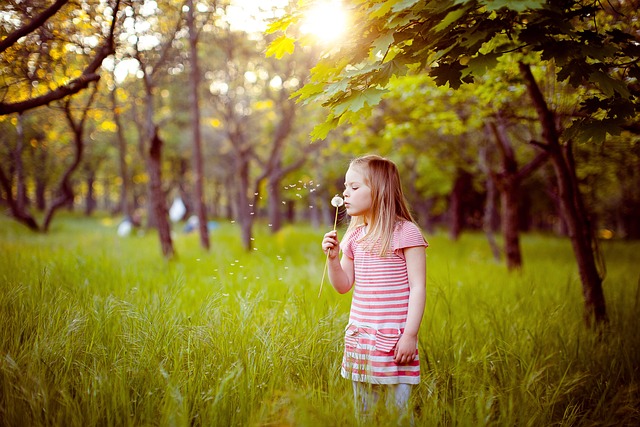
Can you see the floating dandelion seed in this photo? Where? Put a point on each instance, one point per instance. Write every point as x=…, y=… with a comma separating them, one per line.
x=336, y=202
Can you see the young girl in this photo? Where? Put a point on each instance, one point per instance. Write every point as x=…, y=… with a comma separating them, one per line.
x=383, y=256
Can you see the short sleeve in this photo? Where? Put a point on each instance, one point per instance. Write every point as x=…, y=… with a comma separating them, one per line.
x=407, y=235
x=346, y=245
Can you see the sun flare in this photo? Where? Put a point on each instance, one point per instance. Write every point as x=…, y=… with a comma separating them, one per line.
x=326, y=20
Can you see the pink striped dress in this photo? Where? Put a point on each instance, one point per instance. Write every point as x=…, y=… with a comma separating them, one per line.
x=379, y=309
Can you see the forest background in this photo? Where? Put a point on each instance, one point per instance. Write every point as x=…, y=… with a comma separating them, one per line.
x=505, y=118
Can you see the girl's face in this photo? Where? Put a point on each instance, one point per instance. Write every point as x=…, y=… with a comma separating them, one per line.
x=357, y=195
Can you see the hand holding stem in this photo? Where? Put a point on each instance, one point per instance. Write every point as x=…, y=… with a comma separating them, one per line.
x=336, y=202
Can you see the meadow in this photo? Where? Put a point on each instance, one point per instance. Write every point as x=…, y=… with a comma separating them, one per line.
x=101, y=330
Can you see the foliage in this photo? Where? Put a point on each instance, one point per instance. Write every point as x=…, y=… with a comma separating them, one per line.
x=51, y=51
x=457, y=41
x=101, y=330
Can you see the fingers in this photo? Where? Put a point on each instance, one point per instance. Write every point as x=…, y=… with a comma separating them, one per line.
x=402, y=358
x=329, y=242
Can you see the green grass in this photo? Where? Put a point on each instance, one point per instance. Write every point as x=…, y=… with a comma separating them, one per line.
x=100, y=330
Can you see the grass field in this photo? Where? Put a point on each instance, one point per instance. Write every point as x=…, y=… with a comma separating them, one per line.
x=100, y=330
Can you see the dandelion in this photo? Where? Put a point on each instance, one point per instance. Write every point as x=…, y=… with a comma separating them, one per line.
x=336, y=202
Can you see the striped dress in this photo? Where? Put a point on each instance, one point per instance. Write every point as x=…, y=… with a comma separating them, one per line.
x=379, y=309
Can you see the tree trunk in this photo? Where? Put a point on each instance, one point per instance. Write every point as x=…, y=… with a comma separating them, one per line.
x=509, y=182
x=509, y=204
x=200, y=206
x=90, y=202
x=154, y=169
x=40, y=159
x=456, y=204
x=314, y=211
x=125, y=205
x=275, y=210
x=490, y=203
x=20, y=215
x=21, y=188
x=242, y=201
x=65, y=189
x=575, y=216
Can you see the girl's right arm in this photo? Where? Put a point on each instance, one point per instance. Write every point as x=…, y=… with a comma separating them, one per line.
x=341, y=272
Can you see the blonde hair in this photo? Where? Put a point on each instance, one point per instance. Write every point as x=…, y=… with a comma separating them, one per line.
x=388, y=204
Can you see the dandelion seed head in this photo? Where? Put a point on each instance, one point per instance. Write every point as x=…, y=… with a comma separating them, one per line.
x=337, y=201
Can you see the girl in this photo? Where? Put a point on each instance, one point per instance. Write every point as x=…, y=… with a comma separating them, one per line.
x=383, y=258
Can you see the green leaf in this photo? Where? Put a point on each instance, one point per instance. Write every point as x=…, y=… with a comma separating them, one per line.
x=609, y=85
x=592, y=130
x=357, y=100
x=382, y=43
x=478, y=65
x=403, y=4
x=451, y=17
x=388, y=70
x=447, y=73
x=517, y=5
x=280, y=24
x=381, y=9
x=308, y=91
x=280, y=46
x=337, y=87
x=322, y=130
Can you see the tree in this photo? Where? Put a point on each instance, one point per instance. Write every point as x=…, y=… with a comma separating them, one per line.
x=77, y=126
x=252, y=108
x=508, y=181
x=26, y=44
x=457, y=41
x=194, y=83
x=31, y=54
x=152, y=60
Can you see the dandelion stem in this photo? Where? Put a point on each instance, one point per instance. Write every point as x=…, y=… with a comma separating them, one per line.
x=326, y=262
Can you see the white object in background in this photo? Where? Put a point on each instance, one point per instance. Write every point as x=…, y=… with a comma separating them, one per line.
x=177, y=210
x=125, y=227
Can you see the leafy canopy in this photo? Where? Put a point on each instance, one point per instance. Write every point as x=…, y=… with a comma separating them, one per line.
x=457, y=41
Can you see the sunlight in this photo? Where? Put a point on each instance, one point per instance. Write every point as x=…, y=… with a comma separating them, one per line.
x=326, y=20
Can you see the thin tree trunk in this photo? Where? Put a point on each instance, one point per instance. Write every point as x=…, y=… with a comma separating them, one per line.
x=578, y=225
x=21, y=188
x=242, y=201
x=456, y=205
x=65, y=188
x=125, y=205
x=509, y=182
x=490, y=203
x=20, y=215
x=158, y=201
x=90, y=201
x=40, y=159
x=158, y=211
x=200, y=206
x=275, y=210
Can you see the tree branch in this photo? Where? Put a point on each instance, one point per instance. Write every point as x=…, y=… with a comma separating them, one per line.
x=31, y=26
x=74, y=86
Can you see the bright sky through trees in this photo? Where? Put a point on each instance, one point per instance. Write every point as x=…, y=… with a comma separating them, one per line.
x=326, y=20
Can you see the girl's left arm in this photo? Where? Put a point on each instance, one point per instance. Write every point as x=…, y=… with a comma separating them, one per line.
x=417, y=271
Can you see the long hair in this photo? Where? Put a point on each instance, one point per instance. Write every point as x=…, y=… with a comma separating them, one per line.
x=388, y=204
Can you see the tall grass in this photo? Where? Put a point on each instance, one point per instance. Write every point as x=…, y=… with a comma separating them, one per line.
x=100, y=330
